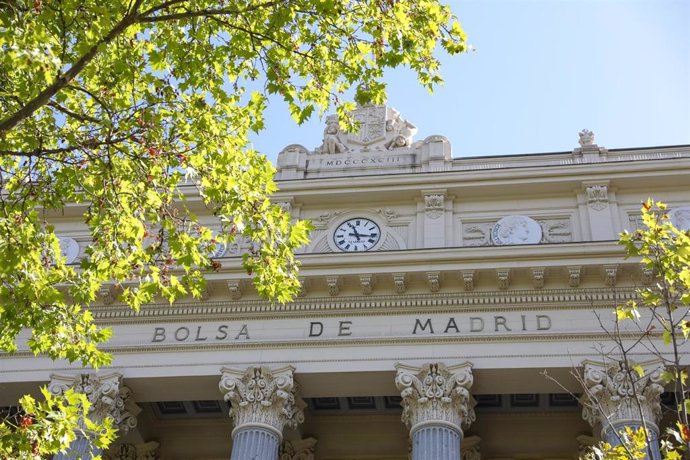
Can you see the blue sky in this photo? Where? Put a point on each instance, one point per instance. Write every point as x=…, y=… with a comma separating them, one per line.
x=542, y=71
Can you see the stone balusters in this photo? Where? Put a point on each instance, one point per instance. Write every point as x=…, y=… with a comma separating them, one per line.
x=616, y=399
x=263, y=402
x=437, y=406
x=108, y=398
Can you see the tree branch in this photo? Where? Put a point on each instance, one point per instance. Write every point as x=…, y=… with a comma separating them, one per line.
x=63, y=80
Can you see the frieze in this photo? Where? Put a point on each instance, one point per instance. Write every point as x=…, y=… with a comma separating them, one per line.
x=553, y=230
x=348, y=327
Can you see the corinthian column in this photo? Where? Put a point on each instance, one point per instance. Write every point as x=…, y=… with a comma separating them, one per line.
x=263, y=402
x=108, y=398
x=436, y=407
x=616, y=399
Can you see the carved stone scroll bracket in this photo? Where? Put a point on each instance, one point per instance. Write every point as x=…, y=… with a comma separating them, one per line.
x=107, y=294
x=367, y=282
x=235, y=289
x=503, y=275
x=263, y=397
x=468, y=277
x=300, y=449
x=303, y=286
x=400, y=282
x=574, y=275
x=436, y=393
x=144, y=451
x=333, y=283
x=106, y=393
x=205, y=294
x=647, y=276
x=610, y=274
x=434, y=281
x=469, y=449
x=614, y=396
x=585, y=443
x=538, y=277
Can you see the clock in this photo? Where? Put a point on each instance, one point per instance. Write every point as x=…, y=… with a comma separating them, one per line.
x=357, y=235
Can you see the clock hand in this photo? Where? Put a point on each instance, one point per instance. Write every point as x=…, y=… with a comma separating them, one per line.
x=355, y=234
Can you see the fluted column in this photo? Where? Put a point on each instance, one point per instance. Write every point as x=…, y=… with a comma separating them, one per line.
x=436, y=407
x=108, y=398
x=615, y=400
x=263, y=402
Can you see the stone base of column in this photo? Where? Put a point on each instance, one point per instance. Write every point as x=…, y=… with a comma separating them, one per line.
x=435, y=442
x=254, y=443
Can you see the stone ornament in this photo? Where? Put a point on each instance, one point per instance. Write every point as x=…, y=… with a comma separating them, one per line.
x=433, y=205
x=680, y=218
x=597, y=197
x=145, y=451
x=301, y=449
x=613, y=398
x=366, y=281
x=436, y=393
x=586, y=138
x=219, y=250
x=469, y=450
x=264, y=397
x=434, y=281
x=69, y=249
x=574, y=276
x=400, y=130
x=106, y=393
x=380, y=128
x=610, y=275
x=516, y=230
x=468, y=279
x=332, y=142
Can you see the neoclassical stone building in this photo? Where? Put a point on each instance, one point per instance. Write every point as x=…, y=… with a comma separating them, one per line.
x=445, y=303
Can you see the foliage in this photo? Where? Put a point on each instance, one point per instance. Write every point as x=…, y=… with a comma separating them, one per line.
x=48, y=426
x=135, y=114
x=664, y=251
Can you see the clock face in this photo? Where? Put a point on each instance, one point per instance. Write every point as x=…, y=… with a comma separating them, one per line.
x=357, y=235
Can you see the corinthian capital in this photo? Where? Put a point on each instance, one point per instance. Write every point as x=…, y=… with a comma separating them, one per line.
x=436, y=393
x=616, y=397
x=106, y=393
x=260, y=396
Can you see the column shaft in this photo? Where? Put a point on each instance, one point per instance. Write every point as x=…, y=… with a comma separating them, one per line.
x=612, y=438
x=435, y=442
x=81, y=448
x=254, y=443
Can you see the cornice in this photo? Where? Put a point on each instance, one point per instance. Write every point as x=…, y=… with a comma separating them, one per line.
x=493, y=174
x=439, y=303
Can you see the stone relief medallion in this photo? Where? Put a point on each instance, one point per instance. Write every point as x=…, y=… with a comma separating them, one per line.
x=219, y=251
x=69, y=248
x=516, y=230
x=372, y=125
x=680, y=218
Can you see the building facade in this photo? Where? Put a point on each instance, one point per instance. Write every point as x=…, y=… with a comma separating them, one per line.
x=445, y=303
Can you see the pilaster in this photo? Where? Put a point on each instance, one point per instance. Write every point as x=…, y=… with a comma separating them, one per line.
x=435, y=203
